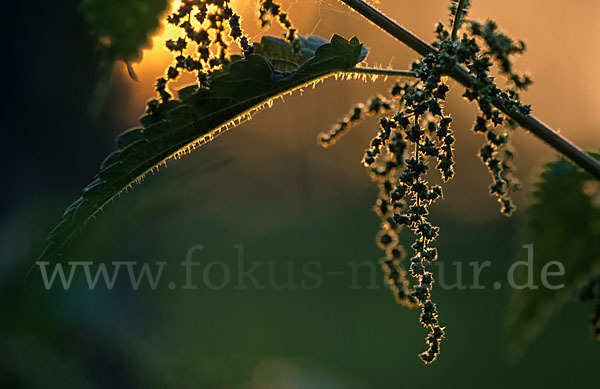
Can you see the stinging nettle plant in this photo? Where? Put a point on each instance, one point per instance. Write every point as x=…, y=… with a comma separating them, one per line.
x=235, y=77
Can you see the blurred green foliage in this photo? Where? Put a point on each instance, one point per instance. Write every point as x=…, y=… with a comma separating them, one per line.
x=563, y=224
x=330, y=337
x=123, y=27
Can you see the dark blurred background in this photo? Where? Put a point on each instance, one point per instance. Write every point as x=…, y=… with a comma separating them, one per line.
x=267, y=186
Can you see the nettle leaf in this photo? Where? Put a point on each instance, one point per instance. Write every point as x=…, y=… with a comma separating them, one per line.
x=123, y=27
x=198, y=117
x=283, y=57
x=563, y=224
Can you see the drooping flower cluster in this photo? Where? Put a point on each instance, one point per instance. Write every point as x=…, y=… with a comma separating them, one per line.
x=208, y=27
x=271, y=10
x=502, y=48
x=422, y=129
x=206, y=24
x=376, y=106
x=497, y=153
x=401, y=154
x=398, y=159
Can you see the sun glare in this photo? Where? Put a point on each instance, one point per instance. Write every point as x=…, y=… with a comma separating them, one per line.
x=157, y=57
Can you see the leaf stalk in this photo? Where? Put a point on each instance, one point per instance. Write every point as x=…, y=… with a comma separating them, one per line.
x=457, y=18
x=382, y=72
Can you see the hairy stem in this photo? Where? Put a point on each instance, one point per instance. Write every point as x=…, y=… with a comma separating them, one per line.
x=382, y=72
x=460, y=74
x=457, y=17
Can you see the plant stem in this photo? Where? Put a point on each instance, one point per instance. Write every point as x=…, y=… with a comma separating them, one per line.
x=460, y=74
x=457, y=18
x=382, y=72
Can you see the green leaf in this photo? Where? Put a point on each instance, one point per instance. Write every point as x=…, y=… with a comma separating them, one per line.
x=283, y=56
x=197, y=117
x=563, y=224
x=123, y=27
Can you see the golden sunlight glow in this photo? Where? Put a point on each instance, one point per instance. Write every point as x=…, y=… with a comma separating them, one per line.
x=157, y=57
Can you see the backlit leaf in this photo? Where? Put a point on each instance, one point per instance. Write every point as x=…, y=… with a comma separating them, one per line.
x=563, y=224
x=197, y=117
